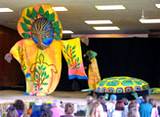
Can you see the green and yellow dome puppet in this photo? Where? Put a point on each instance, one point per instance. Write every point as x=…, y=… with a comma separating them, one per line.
x=122, y=84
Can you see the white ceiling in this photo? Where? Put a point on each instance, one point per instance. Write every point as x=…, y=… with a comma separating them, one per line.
x=80, y=10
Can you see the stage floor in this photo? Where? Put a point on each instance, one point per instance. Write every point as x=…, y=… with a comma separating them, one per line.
x=10, y=96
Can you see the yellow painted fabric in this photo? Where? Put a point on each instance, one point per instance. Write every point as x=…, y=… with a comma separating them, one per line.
x=93, y=74
x=73, y=55
x=42, y=68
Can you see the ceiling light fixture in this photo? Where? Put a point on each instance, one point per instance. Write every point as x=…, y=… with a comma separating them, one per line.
x=98, y=21
x=60, y=8
x=157, y=5
x=106, y=28
x=6, y=10
x=67, y=32
x=110, y=7
x=148, y=21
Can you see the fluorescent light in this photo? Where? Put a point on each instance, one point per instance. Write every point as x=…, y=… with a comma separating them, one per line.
x=6, y=10
x=149, y=21
x=157, y=5
x=106, y=28
x=98, y=21
x=60, y=8
x=110, y=7
x=67, y=32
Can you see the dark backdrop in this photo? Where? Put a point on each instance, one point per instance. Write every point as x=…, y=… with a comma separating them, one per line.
x=135, y=57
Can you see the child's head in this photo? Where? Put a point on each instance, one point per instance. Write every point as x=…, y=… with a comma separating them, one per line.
x=19, y=104
x=69, y=108
x=113, y=97
x=119, y=105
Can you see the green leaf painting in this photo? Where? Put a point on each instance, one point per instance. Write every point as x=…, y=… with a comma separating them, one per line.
x=24, y=27
x=72, y=60
x=26, y=21
x=34, y=14
x=41, y=11
x=26, y=35
x=45, y=83
x=40, y=73
x=51, y=17
x=29, y=13
x=46, y=14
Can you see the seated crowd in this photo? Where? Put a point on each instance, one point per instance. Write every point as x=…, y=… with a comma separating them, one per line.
x=39, y=109
x=137, y=107
x=97, y=106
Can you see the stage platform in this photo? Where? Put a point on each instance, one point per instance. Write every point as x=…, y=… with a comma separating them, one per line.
x=12, y=95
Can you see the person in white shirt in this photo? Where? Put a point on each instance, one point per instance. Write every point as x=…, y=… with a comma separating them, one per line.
x=111, y=105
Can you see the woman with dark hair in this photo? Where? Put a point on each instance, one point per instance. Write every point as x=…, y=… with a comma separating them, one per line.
x=20, y=106
x=97, y=110
x=133, y=109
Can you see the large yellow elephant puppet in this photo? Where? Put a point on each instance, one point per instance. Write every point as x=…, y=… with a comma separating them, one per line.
x=40, y=51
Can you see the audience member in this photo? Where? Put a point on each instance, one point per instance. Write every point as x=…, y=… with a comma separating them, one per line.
x=145, y=108
x=97, y=110
x=69, y=109
x=90, y=102
x=56, y=112
x=20, y=107
x=154, y=109
x=36, y=108
x=46, y=110
x=102, y=100
x=12, y=112
x=111, y=105
x=125, y=100
x=133, y=109
x=119, y=109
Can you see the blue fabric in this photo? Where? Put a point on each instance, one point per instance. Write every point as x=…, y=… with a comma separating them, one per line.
x=20, y=113
x=139, y=100
x=36, y=111
x=28, y=75
x=145, y=110
x=71, y=77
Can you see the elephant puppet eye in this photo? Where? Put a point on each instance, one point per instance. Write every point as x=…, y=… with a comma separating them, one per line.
x=47, y=35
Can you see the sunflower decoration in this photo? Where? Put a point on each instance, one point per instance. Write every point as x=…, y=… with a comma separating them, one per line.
x=31, y=14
